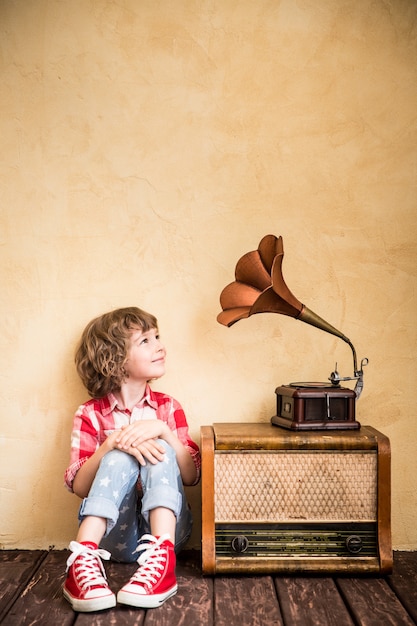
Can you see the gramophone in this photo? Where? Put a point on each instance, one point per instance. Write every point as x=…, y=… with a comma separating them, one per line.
x=260, y=288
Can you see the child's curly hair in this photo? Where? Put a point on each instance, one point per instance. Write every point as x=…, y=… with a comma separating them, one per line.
x=102, y=351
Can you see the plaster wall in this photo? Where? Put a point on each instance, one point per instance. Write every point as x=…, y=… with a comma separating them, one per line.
x=147, y=145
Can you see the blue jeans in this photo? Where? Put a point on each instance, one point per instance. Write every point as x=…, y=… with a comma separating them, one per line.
x=114, y=496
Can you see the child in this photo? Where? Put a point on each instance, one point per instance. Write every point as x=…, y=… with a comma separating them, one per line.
x=131, y=454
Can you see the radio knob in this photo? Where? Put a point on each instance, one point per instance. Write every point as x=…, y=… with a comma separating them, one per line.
x=354, y=544
x=240, y=543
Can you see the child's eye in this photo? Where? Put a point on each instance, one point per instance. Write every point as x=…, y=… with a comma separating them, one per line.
x=145, y=340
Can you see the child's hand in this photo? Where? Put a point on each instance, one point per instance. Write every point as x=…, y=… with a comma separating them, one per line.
x=139, y=432
x=147, y=451
x=111, y=441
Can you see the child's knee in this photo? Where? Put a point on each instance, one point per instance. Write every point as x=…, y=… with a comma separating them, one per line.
x=169, y=450
x=117, y=460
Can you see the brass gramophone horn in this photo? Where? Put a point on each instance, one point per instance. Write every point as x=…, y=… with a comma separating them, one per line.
x=260, y=288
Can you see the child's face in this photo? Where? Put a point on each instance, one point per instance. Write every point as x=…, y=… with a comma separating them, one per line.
x=146, y=356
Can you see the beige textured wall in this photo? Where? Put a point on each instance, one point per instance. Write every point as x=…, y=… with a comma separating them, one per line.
x=145, y=146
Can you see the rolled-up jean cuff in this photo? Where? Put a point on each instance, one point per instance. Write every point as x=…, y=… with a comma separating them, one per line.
x=99, y=507
x=166, y=497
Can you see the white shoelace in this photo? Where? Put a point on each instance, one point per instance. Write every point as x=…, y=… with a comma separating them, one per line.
x=89, y=571
x=151, y=561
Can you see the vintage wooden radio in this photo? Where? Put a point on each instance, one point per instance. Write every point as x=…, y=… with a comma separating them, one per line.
x=275, y=500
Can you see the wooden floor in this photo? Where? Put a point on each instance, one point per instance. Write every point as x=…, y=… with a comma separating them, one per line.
x=31, y=581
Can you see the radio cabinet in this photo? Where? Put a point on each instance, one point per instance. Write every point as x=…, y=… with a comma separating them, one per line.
x=275, y=500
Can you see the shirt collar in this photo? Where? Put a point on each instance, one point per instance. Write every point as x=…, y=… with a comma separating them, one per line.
x=109, y=402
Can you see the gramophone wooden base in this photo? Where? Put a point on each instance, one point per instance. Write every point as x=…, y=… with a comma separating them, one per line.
x=310, y=407
x=334, y=425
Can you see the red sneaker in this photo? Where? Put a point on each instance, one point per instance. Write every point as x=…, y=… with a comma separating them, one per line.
x=154, y=581
x=86, y=587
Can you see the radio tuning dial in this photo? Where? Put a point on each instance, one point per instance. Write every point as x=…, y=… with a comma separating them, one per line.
x=354, y=544
x=240, y=543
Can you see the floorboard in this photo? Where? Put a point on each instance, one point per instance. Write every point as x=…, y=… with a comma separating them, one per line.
x=246, y=600
x=403, y=580
x=311, y=601
x=373, y=603
x=192, y=605
x=41, y=600
x=16, y=569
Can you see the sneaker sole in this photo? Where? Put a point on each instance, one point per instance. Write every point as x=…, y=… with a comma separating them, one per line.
x=87, y=606
x=145, y=602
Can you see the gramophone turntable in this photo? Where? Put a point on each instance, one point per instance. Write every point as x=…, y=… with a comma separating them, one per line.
x=259, y=287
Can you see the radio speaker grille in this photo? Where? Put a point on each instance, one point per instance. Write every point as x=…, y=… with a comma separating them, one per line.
x=275, y=485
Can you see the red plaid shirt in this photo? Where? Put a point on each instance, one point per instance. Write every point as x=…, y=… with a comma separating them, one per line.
x=97, y=418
